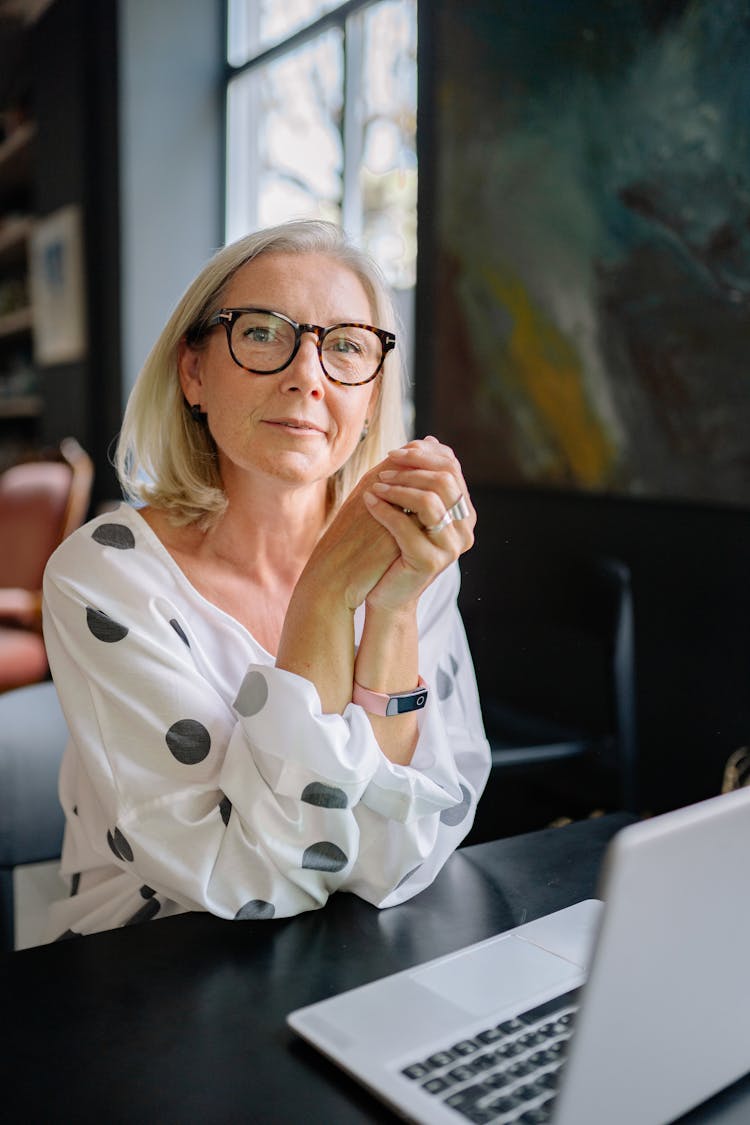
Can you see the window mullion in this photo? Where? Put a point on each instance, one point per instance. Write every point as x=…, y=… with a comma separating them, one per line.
x=353, y=126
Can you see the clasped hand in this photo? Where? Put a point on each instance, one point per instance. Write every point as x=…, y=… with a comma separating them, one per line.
x=377, y=548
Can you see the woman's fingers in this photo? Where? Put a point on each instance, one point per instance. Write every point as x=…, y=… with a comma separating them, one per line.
x=428, y=507
x=419, y=495
x=425, y=477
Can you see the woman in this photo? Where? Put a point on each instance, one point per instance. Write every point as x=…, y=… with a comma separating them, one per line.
x=225, y=654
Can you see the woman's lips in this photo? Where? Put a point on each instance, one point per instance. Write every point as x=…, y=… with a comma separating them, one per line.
x=294, y=425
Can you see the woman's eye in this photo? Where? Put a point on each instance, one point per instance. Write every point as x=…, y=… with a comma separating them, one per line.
x=344, y=346
x=259, y=335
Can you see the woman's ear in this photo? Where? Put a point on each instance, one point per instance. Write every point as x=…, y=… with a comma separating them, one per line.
x=190, y=369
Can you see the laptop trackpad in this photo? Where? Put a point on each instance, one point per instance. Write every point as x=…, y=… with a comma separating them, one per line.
x=499, y=974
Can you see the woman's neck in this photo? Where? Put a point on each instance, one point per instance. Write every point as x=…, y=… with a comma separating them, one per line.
x=269, y=532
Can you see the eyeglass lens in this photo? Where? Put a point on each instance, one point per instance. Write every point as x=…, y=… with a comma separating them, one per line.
x=264, y=342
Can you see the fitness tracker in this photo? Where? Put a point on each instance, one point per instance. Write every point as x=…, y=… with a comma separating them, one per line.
x=396, y=703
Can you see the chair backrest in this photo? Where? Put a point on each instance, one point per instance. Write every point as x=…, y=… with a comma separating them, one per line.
x=40, y=503
x=79, y=498
x=553, y=637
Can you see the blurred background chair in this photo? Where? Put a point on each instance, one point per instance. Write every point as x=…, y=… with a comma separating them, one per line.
x=553, y=646
x=41, y=502
x=33, y=734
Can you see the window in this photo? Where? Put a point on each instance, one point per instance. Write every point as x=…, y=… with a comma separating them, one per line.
x=321, y=123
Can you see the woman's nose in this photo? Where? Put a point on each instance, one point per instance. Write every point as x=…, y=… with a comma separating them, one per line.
x=304, y=373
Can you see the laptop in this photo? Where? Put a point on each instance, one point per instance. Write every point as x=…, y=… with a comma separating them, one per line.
x=629, y=1010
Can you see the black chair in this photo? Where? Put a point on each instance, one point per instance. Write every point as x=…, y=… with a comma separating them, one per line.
x=33, y=734
x=553, y=647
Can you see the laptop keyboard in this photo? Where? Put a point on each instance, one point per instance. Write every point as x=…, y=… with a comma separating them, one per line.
x=507, y=1073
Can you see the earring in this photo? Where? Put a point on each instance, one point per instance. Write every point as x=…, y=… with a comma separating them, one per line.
x=197, y=414
x=365, y=430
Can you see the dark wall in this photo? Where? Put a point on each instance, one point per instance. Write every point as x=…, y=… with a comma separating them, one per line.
x=689, y=567
x=74, y=85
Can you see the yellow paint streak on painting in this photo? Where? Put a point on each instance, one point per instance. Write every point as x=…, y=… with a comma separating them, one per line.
x=550, y=372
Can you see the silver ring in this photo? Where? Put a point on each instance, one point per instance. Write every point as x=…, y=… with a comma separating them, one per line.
x=459, y=510
x=436, y=527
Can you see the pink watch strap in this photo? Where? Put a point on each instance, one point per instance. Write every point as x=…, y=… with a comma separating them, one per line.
x=396, y=703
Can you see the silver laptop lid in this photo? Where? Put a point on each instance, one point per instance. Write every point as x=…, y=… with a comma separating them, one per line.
x=665, y=1016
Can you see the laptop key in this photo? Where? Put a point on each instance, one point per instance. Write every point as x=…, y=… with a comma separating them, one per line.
x=532, y=1039
x=465, y=1047
x=462, y=1073
x=553, y=1008
x=437, y=1085
x=466, y=1101
x=505, y=1103
x=440, y=1058
x=416, y=1070
x=484, y=1062
x=491, y=1035
x=520, y=1069
x=529, y=1091
x=539, y=1115
x=509, y=1049
x=496, y=1080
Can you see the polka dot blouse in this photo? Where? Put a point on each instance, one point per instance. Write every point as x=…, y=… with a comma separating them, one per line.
x=198, y=776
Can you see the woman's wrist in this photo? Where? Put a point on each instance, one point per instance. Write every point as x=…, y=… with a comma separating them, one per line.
x=387, y=658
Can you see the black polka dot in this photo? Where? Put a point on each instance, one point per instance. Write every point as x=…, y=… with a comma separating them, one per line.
x=149, y=910
x=147, y=892
x=103, y=627
x=75, y=810
x=120, y=845
x=114, y=535
x=67, y=935
x=252, y=696
x=225, y=809
x=189, y=741
x=255, y=908
x=454, y=664
x=325, y=796
x=75, y=880
x=444, y=684
x=457, y=813
x=179, y=631
x=324, y=856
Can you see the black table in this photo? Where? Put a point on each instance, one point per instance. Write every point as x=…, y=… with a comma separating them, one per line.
x=183, y=1020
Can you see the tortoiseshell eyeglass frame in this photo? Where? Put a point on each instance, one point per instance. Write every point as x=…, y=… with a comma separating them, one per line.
x=228, y=318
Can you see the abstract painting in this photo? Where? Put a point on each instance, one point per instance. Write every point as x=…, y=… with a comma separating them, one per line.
x=592, y=244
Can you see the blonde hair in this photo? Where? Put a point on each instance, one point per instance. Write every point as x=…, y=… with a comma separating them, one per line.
x=167, y=458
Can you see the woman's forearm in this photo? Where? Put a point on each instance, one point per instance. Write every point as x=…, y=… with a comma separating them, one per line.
x=317, y=642
x=387, y=661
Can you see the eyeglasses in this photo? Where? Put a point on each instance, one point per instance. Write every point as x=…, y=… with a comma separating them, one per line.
x=265, y=342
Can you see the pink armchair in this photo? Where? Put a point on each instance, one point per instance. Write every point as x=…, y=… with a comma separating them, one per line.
x=40, y=503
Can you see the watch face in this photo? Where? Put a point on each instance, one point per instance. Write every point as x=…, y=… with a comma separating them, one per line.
x=409, y=701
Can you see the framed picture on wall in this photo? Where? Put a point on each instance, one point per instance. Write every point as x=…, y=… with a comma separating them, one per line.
x=57, y=288
x=591, y=245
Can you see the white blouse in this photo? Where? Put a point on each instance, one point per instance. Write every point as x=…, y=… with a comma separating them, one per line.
x=198, y=776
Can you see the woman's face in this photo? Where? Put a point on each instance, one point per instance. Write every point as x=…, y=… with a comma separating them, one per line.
x=296, y=426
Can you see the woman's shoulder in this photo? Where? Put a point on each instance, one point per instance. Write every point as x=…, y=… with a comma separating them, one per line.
x=107, y=537
x=117, y=527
